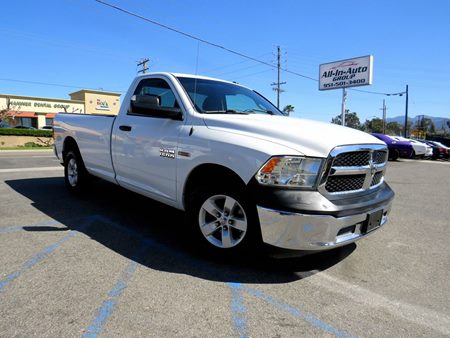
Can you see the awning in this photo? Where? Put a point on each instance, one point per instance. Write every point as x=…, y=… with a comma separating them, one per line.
x=22, y=114
x=50, y=115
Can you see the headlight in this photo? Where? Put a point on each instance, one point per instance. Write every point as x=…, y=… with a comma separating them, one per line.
x=290, y=171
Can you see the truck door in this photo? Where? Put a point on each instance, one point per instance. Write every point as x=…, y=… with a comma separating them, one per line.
x=144, y=147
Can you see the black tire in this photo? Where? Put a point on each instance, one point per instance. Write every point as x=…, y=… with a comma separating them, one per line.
x=243, y=209
x=393, y=154
x=76, y=176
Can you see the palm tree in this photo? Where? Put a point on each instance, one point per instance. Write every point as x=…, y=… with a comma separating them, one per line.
x=288, y=109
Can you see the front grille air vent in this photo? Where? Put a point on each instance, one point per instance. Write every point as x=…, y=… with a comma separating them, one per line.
x=352, y=159
x=379, y=157
x=345, y=183
x=376, y=178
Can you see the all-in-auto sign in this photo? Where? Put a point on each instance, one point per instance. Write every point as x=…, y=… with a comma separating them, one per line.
x=346, y=73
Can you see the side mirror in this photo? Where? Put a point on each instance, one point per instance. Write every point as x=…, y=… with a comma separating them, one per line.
x=149, y=105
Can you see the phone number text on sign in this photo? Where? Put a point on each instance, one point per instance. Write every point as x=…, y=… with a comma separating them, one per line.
x=349, y=83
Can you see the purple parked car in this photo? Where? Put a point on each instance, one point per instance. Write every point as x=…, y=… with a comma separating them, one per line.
x=396, y=148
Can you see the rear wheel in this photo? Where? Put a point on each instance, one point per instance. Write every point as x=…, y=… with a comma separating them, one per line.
x=75, y=174
x=223, y=220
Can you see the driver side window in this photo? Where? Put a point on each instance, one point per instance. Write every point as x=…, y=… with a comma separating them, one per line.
x=160, y=89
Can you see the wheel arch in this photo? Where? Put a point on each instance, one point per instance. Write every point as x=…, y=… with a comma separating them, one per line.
x=208, y=173
x=68, y=145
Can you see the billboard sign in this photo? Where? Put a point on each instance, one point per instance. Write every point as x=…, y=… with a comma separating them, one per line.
x=346, y=73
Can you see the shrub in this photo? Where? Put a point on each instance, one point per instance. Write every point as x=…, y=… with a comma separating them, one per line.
x=26, y=132
x=33, y=145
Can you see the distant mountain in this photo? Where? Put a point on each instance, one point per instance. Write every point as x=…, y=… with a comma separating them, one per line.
x=438, y=121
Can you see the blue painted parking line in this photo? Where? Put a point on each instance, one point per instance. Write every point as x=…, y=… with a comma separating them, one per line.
x=107, y=308
x=39, y=257
x=17, y=228
x=313, y=320
x=238, y=310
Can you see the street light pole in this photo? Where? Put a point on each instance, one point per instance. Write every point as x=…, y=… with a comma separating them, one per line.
x=344, y=98
x=405, y=131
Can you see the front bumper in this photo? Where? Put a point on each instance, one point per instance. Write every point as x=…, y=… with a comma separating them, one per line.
x=323, y=228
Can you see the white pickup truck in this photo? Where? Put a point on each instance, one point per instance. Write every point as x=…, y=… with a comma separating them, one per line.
x=242, y=171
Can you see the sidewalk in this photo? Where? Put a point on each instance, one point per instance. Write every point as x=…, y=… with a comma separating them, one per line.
x=27, y=150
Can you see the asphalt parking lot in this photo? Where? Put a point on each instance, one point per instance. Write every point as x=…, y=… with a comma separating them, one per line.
x=113, y=263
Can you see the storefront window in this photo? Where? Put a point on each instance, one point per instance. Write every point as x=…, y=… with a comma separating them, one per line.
x=28, y=122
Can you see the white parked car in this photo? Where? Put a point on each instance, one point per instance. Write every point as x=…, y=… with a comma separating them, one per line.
x=420, y=149
x=428, y=149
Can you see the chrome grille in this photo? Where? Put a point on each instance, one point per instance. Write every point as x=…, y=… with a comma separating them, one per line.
x=352, y=169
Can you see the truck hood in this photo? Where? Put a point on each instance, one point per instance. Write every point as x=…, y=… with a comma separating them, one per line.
x=310, y=138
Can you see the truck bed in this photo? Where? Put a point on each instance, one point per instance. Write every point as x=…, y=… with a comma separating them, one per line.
x=93, y=135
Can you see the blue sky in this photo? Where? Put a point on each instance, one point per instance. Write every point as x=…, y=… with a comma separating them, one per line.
x=82, y=43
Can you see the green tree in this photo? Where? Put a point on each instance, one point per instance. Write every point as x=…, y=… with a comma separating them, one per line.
x=6, y=113
x=376, y=126
x=426, y=125
x=288, y=109
x=373, y=126
x=351, y=120
x=394, y=128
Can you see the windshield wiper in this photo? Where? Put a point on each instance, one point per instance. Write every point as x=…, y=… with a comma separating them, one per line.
x=228, y=111
x=260, y=111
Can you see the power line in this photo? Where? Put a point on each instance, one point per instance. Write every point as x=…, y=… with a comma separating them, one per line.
x=369, y=91
x=252, y=74
x=70, y=46
x=56, y=85
x=223, y=47
x=201, y=40
x=238, y=70
x=231, y=64
x=377, y=93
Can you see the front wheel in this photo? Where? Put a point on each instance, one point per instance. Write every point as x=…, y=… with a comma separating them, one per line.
x=223, y=220
x=393, y=154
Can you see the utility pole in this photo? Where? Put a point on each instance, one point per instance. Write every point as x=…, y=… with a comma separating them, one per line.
x=384, y=116
x=344, y=98
x=406, y=114
x=143, y=63
x=421, y=126
x=277, y=85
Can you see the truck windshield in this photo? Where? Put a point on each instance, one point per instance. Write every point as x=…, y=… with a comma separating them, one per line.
x=216, y=97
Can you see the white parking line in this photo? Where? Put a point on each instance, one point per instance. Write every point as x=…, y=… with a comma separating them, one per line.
x=41, y=156
x=419, y=315
x=425, y=161
x=20, y=170
x=31, y=156
x=2, y=151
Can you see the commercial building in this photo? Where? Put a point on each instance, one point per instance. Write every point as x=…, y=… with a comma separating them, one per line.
x=38, y=112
